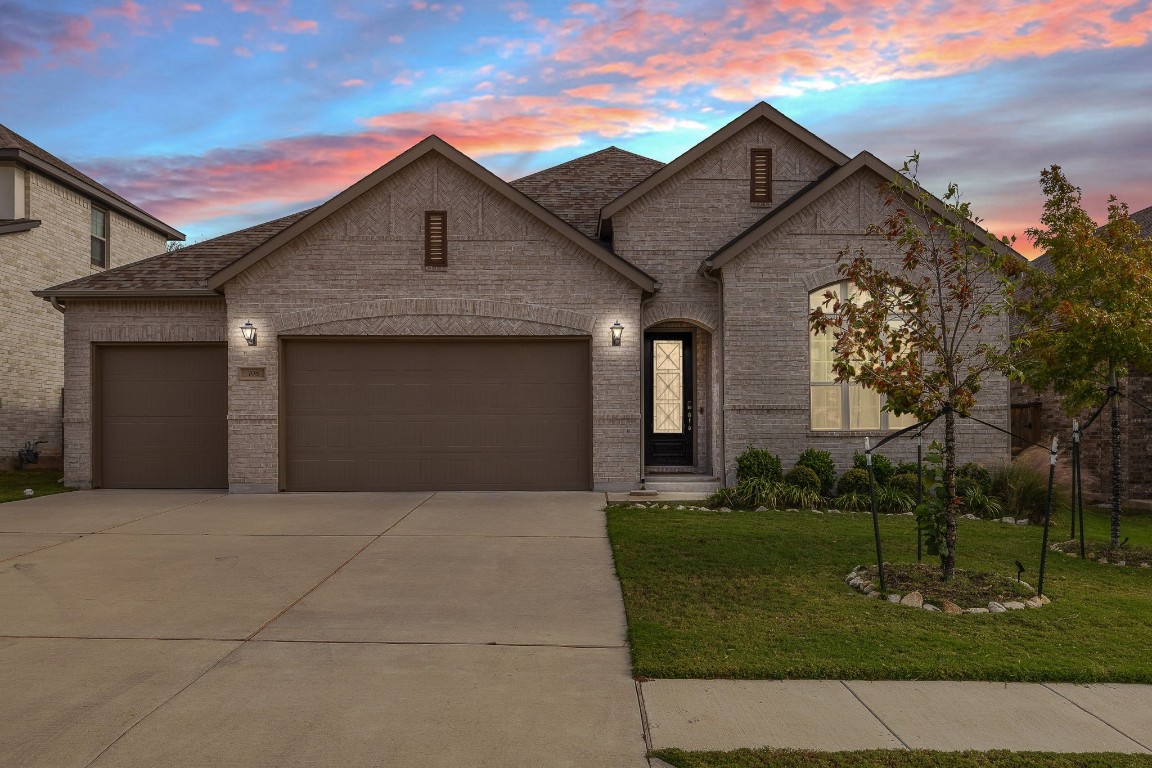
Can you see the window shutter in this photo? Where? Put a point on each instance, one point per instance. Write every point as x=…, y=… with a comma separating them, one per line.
x=435, y=238
x=761, y=186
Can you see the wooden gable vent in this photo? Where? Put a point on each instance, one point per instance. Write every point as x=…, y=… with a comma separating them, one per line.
x=435, y=238
x=761, y=187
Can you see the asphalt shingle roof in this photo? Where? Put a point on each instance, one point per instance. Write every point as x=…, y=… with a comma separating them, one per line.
x=185, y=268
x=10, y=140
x=577, y=190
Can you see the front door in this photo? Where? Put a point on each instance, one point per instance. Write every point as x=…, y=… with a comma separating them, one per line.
x=668, y=379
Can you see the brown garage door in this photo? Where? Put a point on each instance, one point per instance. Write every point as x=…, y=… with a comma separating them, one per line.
x=453, y=414
x=162, y=420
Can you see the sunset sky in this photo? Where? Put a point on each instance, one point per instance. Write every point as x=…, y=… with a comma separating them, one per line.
x=218, y=114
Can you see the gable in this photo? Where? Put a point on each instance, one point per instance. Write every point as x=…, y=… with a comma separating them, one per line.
x=502, y=196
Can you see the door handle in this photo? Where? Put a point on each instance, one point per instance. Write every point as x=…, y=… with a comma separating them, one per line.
x=689, y=421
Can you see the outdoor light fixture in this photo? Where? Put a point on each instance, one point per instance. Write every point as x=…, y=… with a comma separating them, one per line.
x=617, y=333
x=249, y=332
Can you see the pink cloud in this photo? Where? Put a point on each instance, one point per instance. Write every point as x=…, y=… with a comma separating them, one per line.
x=211, y=41
x=353, y=83
x=395, y=39
x=128, y=10
x=242, y=52
x=297, y=26
x=191, y=7
x=28, y=33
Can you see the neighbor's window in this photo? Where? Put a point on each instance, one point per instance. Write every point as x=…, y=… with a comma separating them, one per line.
x=435, y=238
x=841, y=404
x=99, y=237
x=760, y=187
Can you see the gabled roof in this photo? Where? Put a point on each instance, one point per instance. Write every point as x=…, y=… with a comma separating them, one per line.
x=814, y=192
x=468, y=165
x=577, y=190
x=13, y=146
x=757, y=112
x=184, y=271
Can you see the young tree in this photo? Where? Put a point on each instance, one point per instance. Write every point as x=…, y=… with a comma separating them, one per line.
x=1089, y=321
x=917, y=334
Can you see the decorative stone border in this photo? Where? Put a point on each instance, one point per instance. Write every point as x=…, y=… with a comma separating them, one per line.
x=916, y=600
x=1138, y=562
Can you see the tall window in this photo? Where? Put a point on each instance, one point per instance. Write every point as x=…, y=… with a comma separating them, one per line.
x=99, y=237
x=843, y=405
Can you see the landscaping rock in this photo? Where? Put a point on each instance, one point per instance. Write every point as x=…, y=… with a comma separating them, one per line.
x=1103, y=561
x=1044, y=600
x=950, y=607
x=970, y=516
x=1146, y=565
x=1033, y=602
x=725, y=509
x=874, y=595
x=929, y=607
x=1010, y=520
x=894, y=598
x=976, y=610
x=1120, y=562
x=1014, y=605
x=913, y=599
x=761, y=508
x=1022, y=521
x=995, y=607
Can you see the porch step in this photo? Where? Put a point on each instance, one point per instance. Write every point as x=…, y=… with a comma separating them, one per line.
x=682, y=483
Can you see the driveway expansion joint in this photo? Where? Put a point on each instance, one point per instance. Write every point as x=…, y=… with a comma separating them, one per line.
x=873, y=713
x=1096, y=716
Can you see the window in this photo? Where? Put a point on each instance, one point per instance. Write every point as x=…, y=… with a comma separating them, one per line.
x=760, y=190
x=843, y=405
x=99, y=237
x=435, y=238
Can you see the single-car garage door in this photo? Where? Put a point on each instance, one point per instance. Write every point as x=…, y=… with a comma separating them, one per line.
x=444, y=414
x=162, y=416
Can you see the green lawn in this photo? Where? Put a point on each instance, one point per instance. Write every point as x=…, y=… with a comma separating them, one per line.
x=760, y=595
x=769, y=758
x=42, y=481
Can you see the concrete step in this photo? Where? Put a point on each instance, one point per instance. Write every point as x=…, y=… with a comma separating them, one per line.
x=682, y=483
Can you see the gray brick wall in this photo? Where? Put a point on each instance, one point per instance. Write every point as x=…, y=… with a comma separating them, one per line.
x=32, y=346
x=766, y=336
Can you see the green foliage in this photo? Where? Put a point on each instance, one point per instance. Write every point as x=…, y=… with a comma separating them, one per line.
x=906, y=468
x=854, y=480
x=755, y=492
x=904, y=481
x=821, y=463
x=803, y=477
x=758, y=463
x=1023, y=492
x=932, y=514
x=854, y=501
x=978, y=503
x=892, y=501
x=882, y=467
x=978, y=474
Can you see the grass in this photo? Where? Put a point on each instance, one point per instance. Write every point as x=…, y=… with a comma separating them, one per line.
x=42, y=481
x=761, y=595
x=774, y=758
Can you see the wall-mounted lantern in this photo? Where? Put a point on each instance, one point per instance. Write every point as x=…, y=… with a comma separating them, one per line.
x=617, y=333
x=249, y=332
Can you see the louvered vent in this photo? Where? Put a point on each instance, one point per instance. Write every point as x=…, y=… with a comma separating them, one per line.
x=435, y=238
x=761, y=188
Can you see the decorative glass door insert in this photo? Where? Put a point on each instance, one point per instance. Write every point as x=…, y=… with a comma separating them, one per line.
x=668, y=387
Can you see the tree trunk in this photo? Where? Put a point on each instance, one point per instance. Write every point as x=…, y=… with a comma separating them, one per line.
x=952, y=511
x=1115, y=457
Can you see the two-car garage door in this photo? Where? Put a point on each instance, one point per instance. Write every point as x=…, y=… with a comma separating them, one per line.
x=357, y=414
x=436, y=414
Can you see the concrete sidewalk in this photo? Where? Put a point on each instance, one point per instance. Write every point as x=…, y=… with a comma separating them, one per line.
x=831, y=715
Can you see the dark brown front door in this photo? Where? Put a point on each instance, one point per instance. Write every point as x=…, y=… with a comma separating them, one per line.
x=668, y=379
x=437, y=414
x=162, y=416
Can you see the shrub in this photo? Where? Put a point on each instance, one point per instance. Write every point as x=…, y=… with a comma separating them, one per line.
x=978, y=503
x=758, y=463
x=905, y=482
x=821, y=463
x=906, y=468
x=882, y=467
x=803, y=477
x=892, y=501
x=978, y=474
x=1022, y=486
x=724, y=497
x=854, y=480
x=854, y=502
x=755, y=492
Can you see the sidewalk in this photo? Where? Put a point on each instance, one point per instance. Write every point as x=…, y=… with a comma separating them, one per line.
x=831, y=715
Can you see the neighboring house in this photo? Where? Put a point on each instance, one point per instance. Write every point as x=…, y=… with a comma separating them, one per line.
x=434, y=327
x=1038, y=417
x=55, y=224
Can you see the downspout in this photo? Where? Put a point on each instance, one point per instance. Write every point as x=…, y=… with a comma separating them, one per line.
x=707, y=270
x=56, y=305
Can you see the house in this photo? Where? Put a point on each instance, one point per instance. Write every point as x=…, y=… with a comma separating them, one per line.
x=603, y=322
x=1037, y=417
x=56, y=224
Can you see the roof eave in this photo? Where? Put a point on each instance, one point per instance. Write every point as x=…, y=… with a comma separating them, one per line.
x=19, y=226
x=90, y=191
x=170, y=293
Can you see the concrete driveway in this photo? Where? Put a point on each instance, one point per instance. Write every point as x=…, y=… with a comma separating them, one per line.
x=143, y=628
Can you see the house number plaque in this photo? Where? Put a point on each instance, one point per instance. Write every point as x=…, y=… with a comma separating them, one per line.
x=253, y=374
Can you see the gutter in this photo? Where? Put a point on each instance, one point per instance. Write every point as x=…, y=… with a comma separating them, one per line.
x=708, y=272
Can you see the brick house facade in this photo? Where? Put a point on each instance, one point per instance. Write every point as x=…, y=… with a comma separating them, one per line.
x=46, y=219
x=597, y=323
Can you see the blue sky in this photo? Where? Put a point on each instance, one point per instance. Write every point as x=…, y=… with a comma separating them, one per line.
x=217, y=114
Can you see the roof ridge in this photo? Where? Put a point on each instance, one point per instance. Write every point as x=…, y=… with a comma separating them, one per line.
x=584, y=157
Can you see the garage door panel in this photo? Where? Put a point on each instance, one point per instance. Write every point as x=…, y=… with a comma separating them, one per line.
x=163, y=416
x=425, y=415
